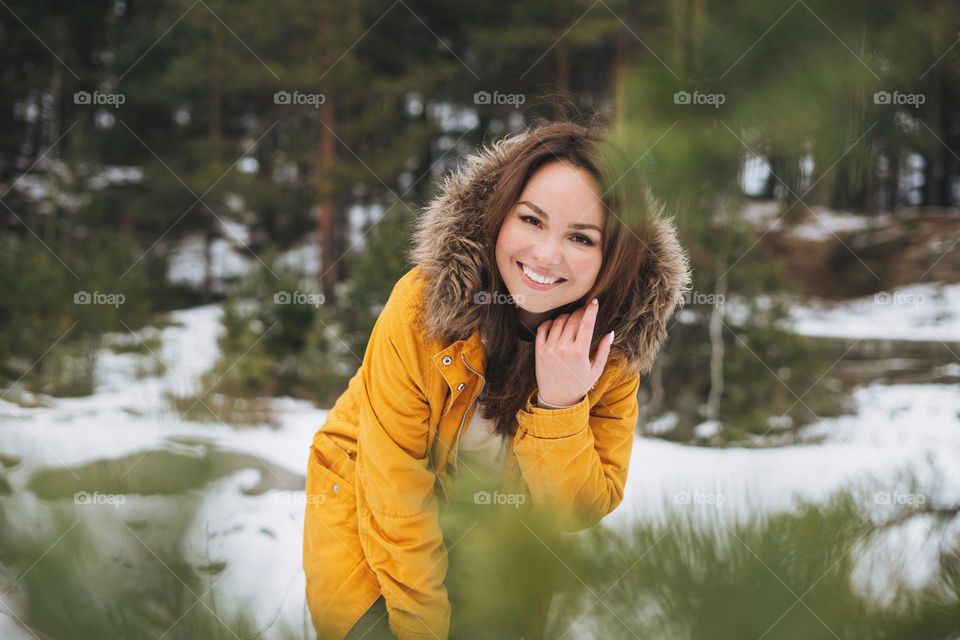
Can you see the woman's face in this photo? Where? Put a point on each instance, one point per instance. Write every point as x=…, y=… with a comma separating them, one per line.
x=554, y=229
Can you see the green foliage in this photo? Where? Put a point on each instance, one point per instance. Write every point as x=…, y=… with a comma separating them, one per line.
x=238, y=387
x=75, y=584
x=56, y=305
x=274, y=343
x=776, y=380
x=281, y=338
x=374, y=270
x=789, y=575
x=158, y=472
x=699, y=573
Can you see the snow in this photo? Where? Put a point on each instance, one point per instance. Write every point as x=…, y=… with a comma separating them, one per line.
x=304, y=257
x=187, y=263
x=925, y=311
x=763, y=214
x=707, y=430
x=824, y=224
x=127, y=416
x=901, y=447
x=231, y=257
x=259, y=538
x=663, y=424
x=116, y=175
x=895, y=430
x=819, y=224
x=756, y=171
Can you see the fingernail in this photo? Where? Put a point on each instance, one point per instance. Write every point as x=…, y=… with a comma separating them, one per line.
x=611, y=336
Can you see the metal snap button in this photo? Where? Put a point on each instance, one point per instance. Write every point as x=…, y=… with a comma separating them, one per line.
x=336, y=488
x=461, y=386
x=447, y=359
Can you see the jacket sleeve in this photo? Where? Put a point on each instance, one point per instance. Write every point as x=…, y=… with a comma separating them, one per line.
x=574, y=460
x=397, y=508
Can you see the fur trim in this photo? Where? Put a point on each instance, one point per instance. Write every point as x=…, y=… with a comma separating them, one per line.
x=448, y=246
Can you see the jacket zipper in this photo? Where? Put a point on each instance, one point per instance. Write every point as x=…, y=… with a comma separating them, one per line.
x=456, y=444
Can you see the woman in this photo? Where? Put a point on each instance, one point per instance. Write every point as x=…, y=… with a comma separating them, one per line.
x=490, y=357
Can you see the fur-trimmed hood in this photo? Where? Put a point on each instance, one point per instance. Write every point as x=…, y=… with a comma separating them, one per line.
x=448, y=246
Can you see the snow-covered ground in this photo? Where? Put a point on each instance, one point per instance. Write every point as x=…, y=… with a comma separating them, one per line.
x=927, y=311
x=257, y=535
x=896, y=430
x=818, y=223
x=824, y=224
x=899, y=435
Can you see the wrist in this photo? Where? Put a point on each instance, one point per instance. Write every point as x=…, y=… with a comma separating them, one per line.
x=549, y=405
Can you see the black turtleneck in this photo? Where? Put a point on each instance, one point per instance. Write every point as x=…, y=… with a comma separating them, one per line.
x=524, y=334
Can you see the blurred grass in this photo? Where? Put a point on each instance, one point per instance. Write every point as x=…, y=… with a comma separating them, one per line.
x=69, y=584
x=782, y=576
x=158, y=472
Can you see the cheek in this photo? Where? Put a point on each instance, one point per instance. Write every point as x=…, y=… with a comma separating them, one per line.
x=502, y=253
x=586, y=264
x=507, y=241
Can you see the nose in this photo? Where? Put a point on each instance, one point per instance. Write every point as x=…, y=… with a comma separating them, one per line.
x=546, y=253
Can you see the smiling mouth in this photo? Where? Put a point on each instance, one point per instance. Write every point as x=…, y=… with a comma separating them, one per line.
x=533, y=282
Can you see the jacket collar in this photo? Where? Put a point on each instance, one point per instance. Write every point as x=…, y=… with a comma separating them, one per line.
x=468, y=352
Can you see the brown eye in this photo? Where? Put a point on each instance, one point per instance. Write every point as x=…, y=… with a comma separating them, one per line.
x=524, y=218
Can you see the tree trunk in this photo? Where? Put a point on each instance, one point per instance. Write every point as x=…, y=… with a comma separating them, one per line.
x=325, y=209
x=215, y=133
x=935, y=188
x=893, y=180
x=717, y=347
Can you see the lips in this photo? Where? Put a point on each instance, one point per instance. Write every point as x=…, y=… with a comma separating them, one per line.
x=533, y=283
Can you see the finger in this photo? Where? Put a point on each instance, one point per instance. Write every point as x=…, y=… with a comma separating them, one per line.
x=570, y=328
x=603, y=352
x=588, y=322
x=542, y=331
x=556, y=329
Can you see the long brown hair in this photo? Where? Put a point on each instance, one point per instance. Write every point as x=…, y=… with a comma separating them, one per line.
x=510, y=364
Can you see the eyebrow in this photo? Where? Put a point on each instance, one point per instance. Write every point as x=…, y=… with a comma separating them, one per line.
x=572, y=225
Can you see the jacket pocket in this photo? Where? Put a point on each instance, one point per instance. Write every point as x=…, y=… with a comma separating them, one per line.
x=338, y=582
x=331, y=544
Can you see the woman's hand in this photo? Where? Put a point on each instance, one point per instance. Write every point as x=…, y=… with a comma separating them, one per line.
x=564, y=371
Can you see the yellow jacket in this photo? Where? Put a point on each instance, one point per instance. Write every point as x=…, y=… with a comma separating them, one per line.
x=379, y=470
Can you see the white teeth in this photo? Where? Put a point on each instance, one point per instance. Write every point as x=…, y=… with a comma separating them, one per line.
x=536, y=277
